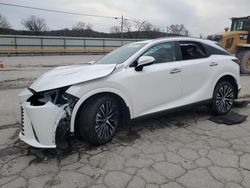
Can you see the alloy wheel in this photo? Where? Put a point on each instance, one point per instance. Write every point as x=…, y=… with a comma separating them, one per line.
x=107, y=119
x=224, y=98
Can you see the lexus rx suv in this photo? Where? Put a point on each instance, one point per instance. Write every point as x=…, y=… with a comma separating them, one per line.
x=138, y=79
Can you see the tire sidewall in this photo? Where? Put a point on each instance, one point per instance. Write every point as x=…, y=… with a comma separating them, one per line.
x=87, y=119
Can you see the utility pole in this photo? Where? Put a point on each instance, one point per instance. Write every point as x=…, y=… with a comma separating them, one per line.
x=121, y=27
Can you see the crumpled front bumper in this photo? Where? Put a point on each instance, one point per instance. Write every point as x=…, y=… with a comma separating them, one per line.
x=39, y=123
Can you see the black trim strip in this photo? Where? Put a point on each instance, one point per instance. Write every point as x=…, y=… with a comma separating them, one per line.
x=177, y=109
x=35, y=133
x=22, y=120
x=32, y=90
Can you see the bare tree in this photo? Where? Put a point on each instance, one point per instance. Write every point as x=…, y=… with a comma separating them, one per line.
x=35, y=24
x=147, y=27
x=143, y=26
x=4, y=23
x=137, y=28
x=82, y=28
x=127, y=26
x=139, y=25
x=79, y=26
x=115, y=29
x=156, y=29
x=89, y=26
x=177, y=29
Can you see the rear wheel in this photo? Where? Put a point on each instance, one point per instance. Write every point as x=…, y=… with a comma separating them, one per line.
x=99, y=119
x=244, y=57
x=223, y=98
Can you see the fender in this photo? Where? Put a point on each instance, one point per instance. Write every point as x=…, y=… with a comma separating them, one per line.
x=220, y=76
x=94, y=92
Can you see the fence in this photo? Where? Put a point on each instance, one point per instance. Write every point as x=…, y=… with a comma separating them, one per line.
x=21, y=44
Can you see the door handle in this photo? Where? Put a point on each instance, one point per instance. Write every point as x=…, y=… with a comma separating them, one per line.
x=174, y=71
x=213, y=64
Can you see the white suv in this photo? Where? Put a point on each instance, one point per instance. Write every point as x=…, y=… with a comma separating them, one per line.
x=95, y=99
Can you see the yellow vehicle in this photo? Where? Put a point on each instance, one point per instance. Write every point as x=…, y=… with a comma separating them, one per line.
x=237, y=41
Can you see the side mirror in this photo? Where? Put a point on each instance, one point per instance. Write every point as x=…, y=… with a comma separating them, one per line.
x=144, y=61
x=91, y=62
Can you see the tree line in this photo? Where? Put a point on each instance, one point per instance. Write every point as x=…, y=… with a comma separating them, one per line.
x=131, y=29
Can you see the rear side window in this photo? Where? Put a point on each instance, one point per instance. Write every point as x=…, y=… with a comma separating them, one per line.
x=192, y=50
x=215, y=51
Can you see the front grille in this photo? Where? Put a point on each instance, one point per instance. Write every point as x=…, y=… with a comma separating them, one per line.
x=22, y=121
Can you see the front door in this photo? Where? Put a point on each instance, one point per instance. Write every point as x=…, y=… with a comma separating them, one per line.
x=158, y=86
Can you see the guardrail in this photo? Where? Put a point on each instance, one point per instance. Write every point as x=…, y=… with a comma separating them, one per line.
x=21, y=44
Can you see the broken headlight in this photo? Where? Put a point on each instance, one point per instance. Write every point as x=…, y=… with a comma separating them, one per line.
x=56, y=96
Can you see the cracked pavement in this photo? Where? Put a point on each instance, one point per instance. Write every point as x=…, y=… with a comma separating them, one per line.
x=174, y=150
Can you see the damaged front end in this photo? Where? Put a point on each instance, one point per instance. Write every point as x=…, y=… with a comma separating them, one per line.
x=45, y=116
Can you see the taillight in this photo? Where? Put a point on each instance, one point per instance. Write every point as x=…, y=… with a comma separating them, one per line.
x=236, y=61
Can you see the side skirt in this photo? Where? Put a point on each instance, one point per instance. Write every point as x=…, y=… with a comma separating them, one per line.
x=177, y=109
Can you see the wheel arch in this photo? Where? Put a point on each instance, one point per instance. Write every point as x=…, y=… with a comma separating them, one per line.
x=231, y=79
x=120, y=97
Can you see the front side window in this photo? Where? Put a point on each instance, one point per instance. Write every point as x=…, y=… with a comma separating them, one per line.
x=164, y=52
x=192, y=50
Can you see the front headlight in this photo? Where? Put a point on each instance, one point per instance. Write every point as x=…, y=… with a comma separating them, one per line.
x=56, y=96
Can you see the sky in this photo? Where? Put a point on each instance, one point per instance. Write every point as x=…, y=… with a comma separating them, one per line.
x=199, y=16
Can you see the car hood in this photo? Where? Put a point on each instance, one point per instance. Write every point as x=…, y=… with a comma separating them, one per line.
x=69, y=75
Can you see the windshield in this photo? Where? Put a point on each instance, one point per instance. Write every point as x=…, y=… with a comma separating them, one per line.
x=121, y=54
x=241, y=25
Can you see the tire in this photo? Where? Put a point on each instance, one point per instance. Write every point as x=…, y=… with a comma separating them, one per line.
x=223, y=98
x=99, y=119
x=244, y=57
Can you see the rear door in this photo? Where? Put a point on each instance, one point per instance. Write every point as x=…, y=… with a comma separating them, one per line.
x=197, y=68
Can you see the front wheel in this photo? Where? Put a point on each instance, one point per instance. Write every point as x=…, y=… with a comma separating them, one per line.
x=223, y=98
x=99, y=119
